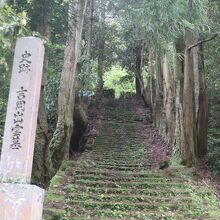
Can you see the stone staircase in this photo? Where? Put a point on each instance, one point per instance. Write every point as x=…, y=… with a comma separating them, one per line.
x=116, y=179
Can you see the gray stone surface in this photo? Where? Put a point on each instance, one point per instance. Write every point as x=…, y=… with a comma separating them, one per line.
x=21, y=120
x=21, y=202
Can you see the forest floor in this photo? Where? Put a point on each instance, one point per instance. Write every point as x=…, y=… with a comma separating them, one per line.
x=123, y=173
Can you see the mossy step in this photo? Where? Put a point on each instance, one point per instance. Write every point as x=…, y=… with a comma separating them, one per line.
x=118, y=161
x=141, y=206
x=53, y=214
x=111, y=181
x=119, y=156
x=112, y=215
x=120, y=164
x=114, y=138
x=109, y=147
x=119, y=146
x=129, y=178
x=145, y=173
x=134, y=191
x=116, y=166
x=119, y=168
x=128, y=198
x=139, y=185
x=114, y=159
x=133, y=162
x=121, y=152
x=117, y=139
x=110, y=150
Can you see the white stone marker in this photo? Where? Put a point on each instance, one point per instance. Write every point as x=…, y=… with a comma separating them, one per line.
x=19, y=201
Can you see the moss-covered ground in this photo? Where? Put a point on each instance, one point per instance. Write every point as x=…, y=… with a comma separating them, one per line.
x=116, y=179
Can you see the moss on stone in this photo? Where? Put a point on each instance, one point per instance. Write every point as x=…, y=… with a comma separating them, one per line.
x=56, y=180
x=60, y=173
x=53, y=214
x=58, y=197
x=64, y=165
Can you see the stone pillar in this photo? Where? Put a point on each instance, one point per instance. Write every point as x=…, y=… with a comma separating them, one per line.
x=18, y=200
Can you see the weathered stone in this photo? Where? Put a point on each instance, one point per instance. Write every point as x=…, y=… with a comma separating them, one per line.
x=21, y=202
x=21, y=119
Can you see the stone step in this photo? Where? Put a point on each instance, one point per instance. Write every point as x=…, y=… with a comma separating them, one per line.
x=133, y=191
x=117, y=178
x=131, y=185
x=121, y=164
x=113, y=198
x=129, y=206
x=120, y=146
x=115, y=167
x=120, y=155
x=138, y=215
x=144, y=173
x=129, y=178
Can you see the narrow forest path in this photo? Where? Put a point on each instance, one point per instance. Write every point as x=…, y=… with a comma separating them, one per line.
x=116, y=179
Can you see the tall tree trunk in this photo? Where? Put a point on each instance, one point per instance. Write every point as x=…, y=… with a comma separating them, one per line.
x=189, y=121
x=201, y=100
x=101, y=46
x=188, y=104
x=60, y=143
x=89, y=47
x=40, y=22
x=149, y=87
x=168, y=106
x=138, y=75
x=138, y=67
x=158, y=100
x=178, y=146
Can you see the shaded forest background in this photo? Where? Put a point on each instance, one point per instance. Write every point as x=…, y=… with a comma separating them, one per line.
x=165, y=52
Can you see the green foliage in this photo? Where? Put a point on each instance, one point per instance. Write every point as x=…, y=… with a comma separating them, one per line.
x=212, y=56
x=161, y=20
x=214, y=161
x=52, y=90
x=87, y=83
x=119, y=80
x=12, y=25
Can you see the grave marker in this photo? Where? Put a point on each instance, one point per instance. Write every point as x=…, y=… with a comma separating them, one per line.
x=19, y=201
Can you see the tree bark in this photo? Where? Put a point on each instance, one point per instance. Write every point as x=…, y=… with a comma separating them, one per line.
x=89, y=47
x=101, y=47
x=201, y=101
x=158, y=101
x=40, y=22
x=178, y=147
x=60, y=143
x=168, y=106
x=188, y=104
x=150, y=82
x=138, y=75
x=138, y=67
